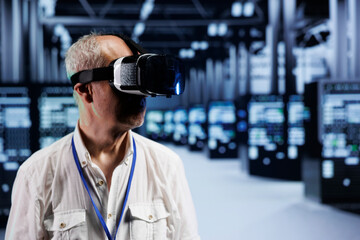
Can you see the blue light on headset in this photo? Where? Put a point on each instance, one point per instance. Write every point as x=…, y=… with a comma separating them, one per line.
x=178, y=88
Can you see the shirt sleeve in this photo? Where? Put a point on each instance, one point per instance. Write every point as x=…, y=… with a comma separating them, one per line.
x=25, y=219
x=189, y=227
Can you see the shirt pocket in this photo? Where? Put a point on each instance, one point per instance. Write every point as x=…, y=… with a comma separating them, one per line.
x=148, y=221
x=67, y=225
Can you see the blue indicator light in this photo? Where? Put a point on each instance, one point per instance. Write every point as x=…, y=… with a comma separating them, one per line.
x=177, y=88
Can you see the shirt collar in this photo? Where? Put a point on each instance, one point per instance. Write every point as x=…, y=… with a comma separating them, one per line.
x=84, y=155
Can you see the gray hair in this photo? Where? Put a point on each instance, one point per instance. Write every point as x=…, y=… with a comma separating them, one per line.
x=84, y=54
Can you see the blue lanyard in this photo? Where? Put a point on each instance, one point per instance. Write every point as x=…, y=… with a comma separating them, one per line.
x=93, y=203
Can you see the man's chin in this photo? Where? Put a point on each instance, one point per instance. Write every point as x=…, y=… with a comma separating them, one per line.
x=136, y=120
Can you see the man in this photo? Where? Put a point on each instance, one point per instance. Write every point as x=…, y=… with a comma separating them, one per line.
x=135, y=188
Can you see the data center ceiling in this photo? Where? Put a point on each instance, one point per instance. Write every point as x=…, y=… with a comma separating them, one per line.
x=158, y=24
x=170, y=26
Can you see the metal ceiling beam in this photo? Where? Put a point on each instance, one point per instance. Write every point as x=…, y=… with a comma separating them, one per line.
x=106, y=8
x=176, y=44
x=200, y=8
x=171, y=9
x=87, y=8
x=95, y=22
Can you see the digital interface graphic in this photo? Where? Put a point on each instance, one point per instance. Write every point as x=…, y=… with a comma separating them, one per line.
x=180, y=119
x=15, y=141
x=266, y=124
x=340, y=124
x=154, y=124
x=58, y=114
x=222, y=129
x=197, y=122
x=296, y=131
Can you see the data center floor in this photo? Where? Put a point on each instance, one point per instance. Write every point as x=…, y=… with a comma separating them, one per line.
x=232, y=205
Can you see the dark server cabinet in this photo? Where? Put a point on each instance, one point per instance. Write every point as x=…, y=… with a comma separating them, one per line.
x=31, y=117
x=275, y=136
x=331, y=166
x=15, y=141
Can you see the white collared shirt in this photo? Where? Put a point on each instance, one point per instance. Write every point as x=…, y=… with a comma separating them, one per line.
x=49, y=200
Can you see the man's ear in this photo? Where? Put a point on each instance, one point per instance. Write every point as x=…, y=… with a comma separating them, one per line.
x=84, y=91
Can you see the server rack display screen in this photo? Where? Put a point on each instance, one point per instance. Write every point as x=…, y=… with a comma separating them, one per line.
x=222, y=126
x=296, y=131
x=15, y=123
x=332, y=164
x=197, y=120
x=58, y=114
x=341, y=121
x=168, y=124
x=154, y=124
x=266, y=125
x=180, y=126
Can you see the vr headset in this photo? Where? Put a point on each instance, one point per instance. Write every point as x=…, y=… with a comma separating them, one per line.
x=145, y=74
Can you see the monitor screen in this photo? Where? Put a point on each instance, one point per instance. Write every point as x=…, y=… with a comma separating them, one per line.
x=180, y=119
x=266, y=119
x=341, y=121
x=15, y=123
x=15, y=144
x=296, y=130
x=168, y=123
x=266, y=125
x=197, y=121
x=197, y=115
x=180, y=115
x=222, y=125
x=58, y=114
x=154, y=123
x=222, y=113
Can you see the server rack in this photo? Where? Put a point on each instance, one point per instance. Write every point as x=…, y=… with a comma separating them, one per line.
x=222, y=130
x=331, y=166
x=197, y=128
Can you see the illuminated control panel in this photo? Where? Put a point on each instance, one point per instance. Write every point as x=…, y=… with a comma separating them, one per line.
x=180, y=119
x=154, y=124
x=15, y=142
x=169, y=125
x=58, y=114
x=296, y=131
x=266, y=128
x=332, y=164
x=340, y=124
x=15, y=124
x=276, y=136
x=197, y=127
x=222, y=130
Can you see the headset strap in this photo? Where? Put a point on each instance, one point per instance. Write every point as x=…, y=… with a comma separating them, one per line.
x=91, y=75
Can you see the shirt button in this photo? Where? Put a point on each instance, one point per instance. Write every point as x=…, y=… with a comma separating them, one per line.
x=101, y=182
x=109, y=215
x=150, y=217
x=62, y=225
x=83, y=162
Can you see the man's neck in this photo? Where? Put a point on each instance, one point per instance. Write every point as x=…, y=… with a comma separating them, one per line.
x=107, y=147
